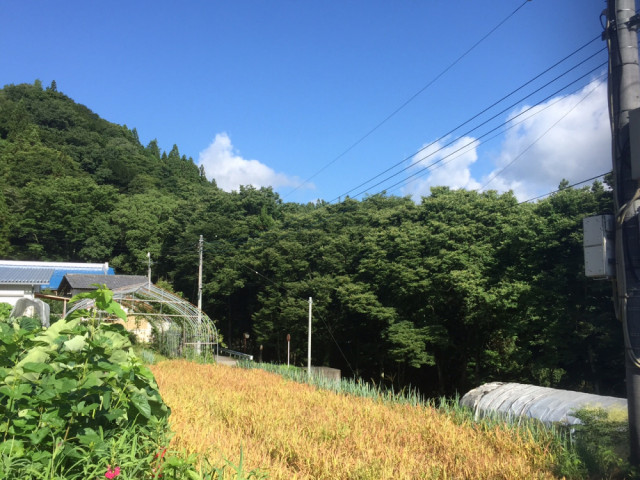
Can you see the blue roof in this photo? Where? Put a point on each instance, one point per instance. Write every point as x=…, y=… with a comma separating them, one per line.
x=24, y=275
x=59, y=273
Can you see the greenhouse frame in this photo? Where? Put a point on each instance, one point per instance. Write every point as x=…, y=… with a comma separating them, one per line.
x=173, y=325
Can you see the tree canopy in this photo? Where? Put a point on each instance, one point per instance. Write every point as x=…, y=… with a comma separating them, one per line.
x=460, y=289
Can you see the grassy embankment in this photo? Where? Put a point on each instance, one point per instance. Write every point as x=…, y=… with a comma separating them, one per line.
x=296, y=431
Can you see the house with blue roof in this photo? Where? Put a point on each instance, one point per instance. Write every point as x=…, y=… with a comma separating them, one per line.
x=20, y=279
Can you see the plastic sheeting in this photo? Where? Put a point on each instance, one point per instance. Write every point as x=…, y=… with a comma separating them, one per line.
x=548, y=405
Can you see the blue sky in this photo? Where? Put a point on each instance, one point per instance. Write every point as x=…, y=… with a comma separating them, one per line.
x=275, y=92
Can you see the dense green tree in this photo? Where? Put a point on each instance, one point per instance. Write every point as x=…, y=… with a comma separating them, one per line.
x=142, y=221
x=5, y=225
x=153, y=149
x=58, y=218
x=571, y=327
x=26, y=159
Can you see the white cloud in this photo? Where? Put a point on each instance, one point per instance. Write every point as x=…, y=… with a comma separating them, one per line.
x=230, y=170
x=451, y=167
x=577, y=147
x=565, y=138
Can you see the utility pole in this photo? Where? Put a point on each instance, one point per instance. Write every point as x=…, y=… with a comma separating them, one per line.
x=149, y=269
x=200, y=250
x=309, y=341
x=624, y=97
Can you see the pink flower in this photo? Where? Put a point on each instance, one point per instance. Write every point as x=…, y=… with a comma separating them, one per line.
x=112, y=473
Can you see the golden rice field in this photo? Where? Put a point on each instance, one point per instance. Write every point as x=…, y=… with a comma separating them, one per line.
x=295, y=431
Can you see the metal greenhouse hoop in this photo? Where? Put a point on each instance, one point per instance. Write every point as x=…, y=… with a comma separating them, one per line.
x=179, y=328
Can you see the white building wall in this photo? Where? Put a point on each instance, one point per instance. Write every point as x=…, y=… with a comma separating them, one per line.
x=11, y=294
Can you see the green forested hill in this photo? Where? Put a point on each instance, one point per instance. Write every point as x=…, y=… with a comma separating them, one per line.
x=461, y=289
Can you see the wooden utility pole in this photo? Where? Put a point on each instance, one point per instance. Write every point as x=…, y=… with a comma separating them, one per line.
x=624, y=97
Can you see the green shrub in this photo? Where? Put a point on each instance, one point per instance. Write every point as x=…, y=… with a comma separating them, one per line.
x=602, y=442
x=74, y=399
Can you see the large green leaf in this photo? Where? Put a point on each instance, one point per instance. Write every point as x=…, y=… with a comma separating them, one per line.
x=141, y=403
x=105, y=398
x=39, y=354
x=36, y=367
x=52, y=334
x=36, y=355
x=89, y=437
x=75, y=344
x=119, y=357
x=93, y=379
x=64, y=385
x=116, y=414
x=116, y=340
x=12, y=448
x=7, y=333
x=39, y=435
x=103, y=298
x=16, y=391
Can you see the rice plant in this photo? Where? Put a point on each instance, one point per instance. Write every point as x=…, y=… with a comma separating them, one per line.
x=290, y=429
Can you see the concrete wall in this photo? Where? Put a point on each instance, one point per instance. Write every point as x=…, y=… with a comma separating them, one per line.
x=327, y=372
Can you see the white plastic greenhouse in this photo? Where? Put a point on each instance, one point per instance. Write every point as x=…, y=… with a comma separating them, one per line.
x=548, y=405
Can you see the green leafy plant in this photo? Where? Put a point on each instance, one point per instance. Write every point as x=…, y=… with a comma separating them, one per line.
x=5, y=310
x=602, y=442
x=74, y=398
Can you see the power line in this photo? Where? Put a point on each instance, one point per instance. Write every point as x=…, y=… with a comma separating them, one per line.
x=409, y=100
x=517, y=157
x=478, y=143
x=337, y=344
x=253, y=270
x=467, y=133
x=487, y=109
x=469, y=143
x=564, y=188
